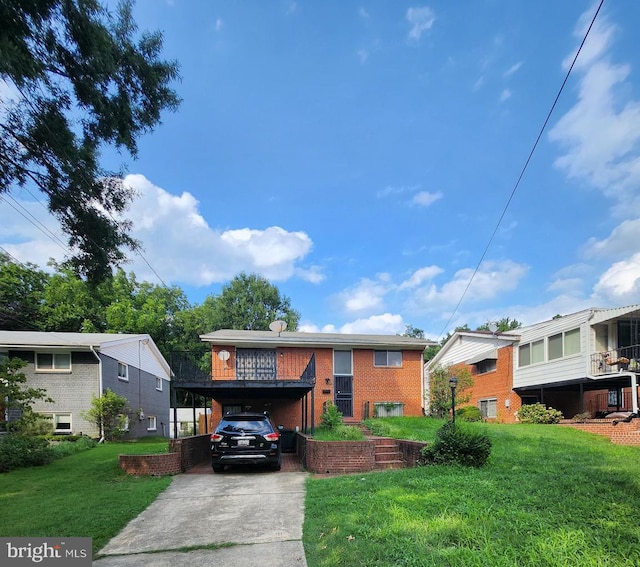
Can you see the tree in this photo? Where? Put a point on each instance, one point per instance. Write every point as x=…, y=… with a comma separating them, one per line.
x=250, y=302
x=21, y=294
x=79, y=79
x=15, y=396
x=503, y=325
x=414, y=332
x=110, y=413
x=440, y=391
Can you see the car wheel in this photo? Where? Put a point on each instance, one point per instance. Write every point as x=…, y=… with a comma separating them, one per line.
x=218, y=468
x=276, y=466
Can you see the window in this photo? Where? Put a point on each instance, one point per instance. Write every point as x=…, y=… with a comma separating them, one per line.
x=564, y=344
x=488, y=408
x=255, y=364
x=387, y=358
x=61, y=422
x=488, y=365
x=342, y=363
x=151, y=423
x=614, y=398
x=52, y=362
x=123, y=371
x=531, y=353
x=159, y=384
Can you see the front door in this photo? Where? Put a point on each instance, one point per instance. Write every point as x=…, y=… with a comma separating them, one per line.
x=344, y=395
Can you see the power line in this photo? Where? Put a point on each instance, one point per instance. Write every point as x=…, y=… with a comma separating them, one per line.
x=524, y=168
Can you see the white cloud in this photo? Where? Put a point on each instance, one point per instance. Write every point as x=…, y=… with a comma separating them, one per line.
x=363, y=55
x=505, y=95
x=478, y=84
x=424, y=198
x=219, y=24
x=362, y=12
x=513, y=69
x=385, y=324
x=622, y=241
x=610, y=160
x=177, y=241
x=620, y=284
x=420, y=276
x=420, y=19
x=367, y=295
x=492, y=279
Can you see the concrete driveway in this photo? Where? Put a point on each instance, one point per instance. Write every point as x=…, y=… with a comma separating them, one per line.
x=258, y=515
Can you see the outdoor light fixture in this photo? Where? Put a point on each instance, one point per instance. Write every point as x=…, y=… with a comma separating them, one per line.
x=453, y=382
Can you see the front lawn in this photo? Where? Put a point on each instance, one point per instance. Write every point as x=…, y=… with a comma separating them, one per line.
x=82, y=495
x=550, y=496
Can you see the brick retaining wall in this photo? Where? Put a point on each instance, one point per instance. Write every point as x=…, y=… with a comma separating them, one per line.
x=620, y=434
x=194, y=449
x=150, y=465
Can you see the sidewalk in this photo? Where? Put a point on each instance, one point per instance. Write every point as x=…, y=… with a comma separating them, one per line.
x=257, y=515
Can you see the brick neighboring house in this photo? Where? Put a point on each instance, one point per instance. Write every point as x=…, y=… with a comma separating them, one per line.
x=74, y=367
x=584, y=362
x=293, y=375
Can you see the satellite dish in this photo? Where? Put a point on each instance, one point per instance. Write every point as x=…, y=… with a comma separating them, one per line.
x=224, y=355
x=493, y=327
x=278, y=326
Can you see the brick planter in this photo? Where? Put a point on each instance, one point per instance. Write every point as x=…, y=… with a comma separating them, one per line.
x=150, y=465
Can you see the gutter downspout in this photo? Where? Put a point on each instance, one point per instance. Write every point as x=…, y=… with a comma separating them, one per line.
x=100, y=387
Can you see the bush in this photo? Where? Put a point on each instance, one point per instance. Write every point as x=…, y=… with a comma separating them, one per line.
x=331, y=417
x=339, y=433
x=68, y=447
x=469, y=413
x=537, y=413
x=455, y=445
x=17, y=451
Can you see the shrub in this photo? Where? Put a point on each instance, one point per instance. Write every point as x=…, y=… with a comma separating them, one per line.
x=537, y=413
x=331, y=417
x=17, y=451
x=469, y=413
x=455, y=445
x=339, y=433
x=72, y=446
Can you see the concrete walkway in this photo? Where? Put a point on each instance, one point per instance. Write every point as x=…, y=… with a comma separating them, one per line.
x=259, y=512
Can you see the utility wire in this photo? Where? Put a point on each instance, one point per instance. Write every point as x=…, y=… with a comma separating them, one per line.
x=524, y=168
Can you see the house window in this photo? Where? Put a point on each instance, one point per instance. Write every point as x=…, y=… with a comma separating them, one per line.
x=488, y=408
x=614, y=398
x=531, y=353
x=564, y=344
x=151, y=423
x=342, y=363
x=124, y=421
x=255, y=364
x=61, y=422
x=387, y=358
x=123, y=371
x=488, y=365
x=159, y=384
x=53, y=361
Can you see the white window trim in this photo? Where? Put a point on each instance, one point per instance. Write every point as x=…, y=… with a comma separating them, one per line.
x=158, y=384
x=53, y=415
x=53, y=362
x=151, y=427
x=495, y=400
x=126, y=368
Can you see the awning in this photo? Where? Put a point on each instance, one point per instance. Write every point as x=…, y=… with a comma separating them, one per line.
x=486, y=355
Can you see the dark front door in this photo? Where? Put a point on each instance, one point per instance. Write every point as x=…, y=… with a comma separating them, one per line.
x=344, y=395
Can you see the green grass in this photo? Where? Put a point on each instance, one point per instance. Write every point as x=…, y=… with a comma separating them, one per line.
x=550, y=496
x=82, y=495
x=340, y=433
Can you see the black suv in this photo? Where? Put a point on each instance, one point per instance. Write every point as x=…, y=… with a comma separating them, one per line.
x=245, y=439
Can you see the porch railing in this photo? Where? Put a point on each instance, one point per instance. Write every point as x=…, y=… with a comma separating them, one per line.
x=616, y=360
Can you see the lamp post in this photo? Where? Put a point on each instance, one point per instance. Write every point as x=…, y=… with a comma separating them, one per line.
x=453, y=382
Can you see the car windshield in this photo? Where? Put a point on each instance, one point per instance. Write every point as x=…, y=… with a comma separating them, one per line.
x=239, y=426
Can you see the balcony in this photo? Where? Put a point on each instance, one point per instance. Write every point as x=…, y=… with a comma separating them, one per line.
x=623, y=359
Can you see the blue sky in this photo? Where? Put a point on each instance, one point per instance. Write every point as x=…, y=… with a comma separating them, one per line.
x=359, y=155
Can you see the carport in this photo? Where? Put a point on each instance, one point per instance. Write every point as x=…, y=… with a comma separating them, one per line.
x=188, y=377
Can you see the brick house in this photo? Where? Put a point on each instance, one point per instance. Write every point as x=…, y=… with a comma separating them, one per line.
x=293, y=375
x=584, y=362
x=74, y=367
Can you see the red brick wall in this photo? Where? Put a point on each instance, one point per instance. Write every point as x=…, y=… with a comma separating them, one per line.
x=497, y=384
x=150, y=465
x=620, y=434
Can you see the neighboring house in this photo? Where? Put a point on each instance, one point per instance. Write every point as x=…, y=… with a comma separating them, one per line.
x=75, y=367
x=585, y=362
x=293, y=375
